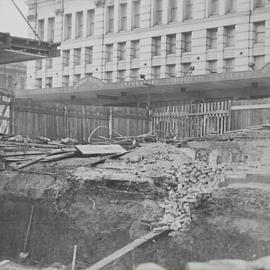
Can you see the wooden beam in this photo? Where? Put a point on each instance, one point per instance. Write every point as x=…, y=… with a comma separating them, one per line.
x=250, y=107
x=122, y=251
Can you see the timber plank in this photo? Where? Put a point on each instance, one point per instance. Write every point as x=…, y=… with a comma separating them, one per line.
x=98, y=150
x=122, y=251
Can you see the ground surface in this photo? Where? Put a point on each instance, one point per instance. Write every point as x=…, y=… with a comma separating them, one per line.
x=72, y=206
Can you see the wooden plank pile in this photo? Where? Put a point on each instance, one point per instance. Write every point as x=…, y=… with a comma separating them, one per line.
x=20, y=154
x=194, y=182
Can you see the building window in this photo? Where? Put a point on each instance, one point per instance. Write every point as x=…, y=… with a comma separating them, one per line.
x=79, y=24
x=48, y=82
x=171, y=44
x=229, y=36
x=39, y=83
x=123, y=17
x=259, y=61
x=110, y=19
x=259, y=3
x=158, y=14
x=41, y=29
x=89, y=55
x=213, y=7
x=39, y=64
x=65, y=81
x=76, y=78
x=156, y=46
x=188, y=9
x=51, y=29
x=170, y=72
x=186, y=69
x=259, y=32
x=212, y=38
x=109, y=53
x=173, y=10
x=49, y=63
x=109, y=76
x=156, y=72
x=231, y=6
x=66, y=58
x=212, y=66
x=77, y=57
x=121, y=75
x=90, y=74
x=229, y=65
x=90, y=22
x=134, y=74
x=136, y=13
x=186, y=42
x=68, y=26
x=122, y=51
x=135, y=49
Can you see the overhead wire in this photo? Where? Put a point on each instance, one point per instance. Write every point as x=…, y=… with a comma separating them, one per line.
x=19, y=10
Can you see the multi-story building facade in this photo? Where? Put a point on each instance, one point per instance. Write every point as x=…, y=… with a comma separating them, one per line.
x=13, y=76
x=120, y=40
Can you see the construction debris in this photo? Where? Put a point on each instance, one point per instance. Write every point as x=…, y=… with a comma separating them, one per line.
x=21, y=152
x=193, y=181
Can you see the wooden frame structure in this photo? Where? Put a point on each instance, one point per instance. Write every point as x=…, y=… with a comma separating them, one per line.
x=17, y=49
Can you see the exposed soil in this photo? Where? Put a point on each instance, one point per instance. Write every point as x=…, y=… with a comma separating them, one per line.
x=101, y=216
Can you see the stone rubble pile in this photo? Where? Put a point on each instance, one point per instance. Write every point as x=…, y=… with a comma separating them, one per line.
x=194, y=181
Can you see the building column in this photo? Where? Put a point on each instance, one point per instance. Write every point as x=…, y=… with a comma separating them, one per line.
x=84, y=34
x=128, y=59
x=146, y=57
x=242, y=42
x=115, y=61
x=163, y=56
x=178, y=54
x=220, y=51
x=200, y=11
x=129, y=15
x=165, y=19
x=199, y=52
x=59, y=26
x=146, y=13
x=73, y=28
x=180, y=10
x=116, y=15
x=267, y=41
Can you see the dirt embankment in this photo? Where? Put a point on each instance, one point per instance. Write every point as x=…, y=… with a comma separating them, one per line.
x=100, y=215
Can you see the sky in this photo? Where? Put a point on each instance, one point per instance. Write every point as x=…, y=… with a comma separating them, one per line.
x=11, y=20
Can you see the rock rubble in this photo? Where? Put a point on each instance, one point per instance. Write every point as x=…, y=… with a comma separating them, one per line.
x=192, y=182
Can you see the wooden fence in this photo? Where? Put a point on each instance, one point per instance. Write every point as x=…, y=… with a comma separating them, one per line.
x=57, y=121
x=5, y=116
x=192, y=119
x=252, y=112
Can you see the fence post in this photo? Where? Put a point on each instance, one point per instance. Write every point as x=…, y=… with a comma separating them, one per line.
x=65, y=120
x=11, y=116
x=110, y=122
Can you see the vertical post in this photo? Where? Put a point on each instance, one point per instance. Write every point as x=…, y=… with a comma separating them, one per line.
x=65, y=120
x=11, y=116
x=110, y=122
x=74, y=257
x=149, y=108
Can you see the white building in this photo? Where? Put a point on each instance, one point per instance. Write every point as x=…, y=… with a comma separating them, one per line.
x=117, y=40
